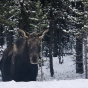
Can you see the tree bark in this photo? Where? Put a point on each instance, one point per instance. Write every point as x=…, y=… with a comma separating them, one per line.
x=50, y=43
x=79, y=54
x=1, y=36
x=55, y=50
x=50, y=50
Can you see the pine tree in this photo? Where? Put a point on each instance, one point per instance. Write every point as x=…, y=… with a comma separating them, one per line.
x=32, y=18
x=77, y=17
x=7, y=18
x=59, y=25
x=38, y=19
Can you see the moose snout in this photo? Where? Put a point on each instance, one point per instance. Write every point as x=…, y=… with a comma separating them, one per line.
x=34, y=59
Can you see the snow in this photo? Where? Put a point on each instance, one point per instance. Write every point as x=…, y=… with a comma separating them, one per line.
x=79, y=83
x=65, y=71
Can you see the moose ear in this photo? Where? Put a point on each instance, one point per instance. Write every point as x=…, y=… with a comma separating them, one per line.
x=41, y=35
x=22, y=33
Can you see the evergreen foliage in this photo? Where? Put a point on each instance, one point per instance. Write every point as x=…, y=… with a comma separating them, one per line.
x=38, y=19
x=8, y=13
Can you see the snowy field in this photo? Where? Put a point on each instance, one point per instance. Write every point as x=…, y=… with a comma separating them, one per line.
x=65, y=71
x=65, y=76
x=79, y=83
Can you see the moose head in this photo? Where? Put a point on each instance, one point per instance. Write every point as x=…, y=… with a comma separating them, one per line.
x=33, y=44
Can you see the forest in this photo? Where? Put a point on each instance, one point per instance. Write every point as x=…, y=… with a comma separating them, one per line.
x=66, y=20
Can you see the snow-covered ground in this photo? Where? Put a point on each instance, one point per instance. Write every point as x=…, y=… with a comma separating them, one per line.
x=65, y=71
x=79, y=83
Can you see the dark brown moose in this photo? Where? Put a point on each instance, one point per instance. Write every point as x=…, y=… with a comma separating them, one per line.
x=20, y=61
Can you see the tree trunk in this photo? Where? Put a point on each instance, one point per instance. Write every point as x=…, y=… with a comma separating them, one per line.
x=79, y=54
x=50, y=43
x=55, y=50
x=50, y=50
x=9, y=38
x=1, y=36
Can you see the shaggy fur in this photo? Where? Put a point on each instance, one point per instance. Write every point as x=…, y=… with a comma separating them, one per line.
x=15, y=63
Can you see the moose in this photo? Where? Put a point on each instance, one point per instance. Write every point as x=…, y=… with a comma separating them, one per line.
x=20, y=60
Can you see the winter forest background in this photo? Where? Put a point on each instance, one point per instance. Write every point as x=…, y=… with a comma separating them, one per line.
x=67, y=21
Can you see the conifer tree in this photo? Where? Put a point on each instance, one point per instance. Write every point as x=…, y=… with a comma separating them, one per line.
x=38, y=19
x=7, y=19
